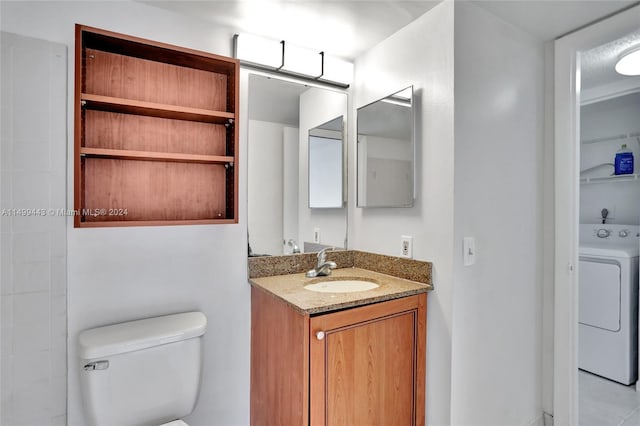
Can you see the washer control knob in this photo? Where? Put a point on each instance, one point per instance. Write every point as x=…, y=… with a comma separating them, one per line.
x=603, y=233
x=624, y=233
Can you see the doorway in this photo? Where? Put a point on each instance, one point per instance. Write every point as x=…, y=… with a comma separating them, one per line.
x=571, y=53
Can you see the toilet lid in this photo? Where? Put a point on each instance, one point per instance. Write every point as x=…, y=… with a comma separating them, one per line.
x=174, y=423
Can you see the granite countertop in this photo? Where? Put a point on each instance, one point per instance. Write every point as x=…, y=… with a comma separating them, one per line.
x=289, y=284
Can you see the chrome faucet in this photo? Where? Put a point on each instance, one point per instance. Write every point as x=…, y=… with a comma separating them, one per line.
x=324, y=266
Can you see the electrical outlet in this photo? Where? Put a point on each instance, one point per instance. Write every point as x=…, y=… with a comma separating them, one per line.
x=316, y=235
x=406, y=246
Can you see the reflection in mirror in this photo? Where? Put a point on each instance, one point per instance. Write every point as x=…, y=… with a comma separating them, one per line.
x=326, y=165
x=386, y=151
x=281, y=116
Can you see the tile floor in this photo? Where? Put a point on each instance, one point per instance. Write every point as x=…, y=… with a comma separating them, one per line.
x=603, y=402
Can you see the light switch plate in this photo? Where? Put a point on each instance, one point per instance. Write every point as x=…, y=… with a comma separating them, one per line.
x=469, y=251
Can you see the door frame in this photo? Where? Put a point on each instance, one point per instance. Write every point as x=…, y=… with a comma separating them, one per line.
x=566, y=202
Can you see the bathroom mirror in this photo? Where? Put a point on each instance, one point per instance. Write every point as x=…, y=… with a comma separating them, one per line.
x=326, y=159
x=282, y=115
x=386, y=151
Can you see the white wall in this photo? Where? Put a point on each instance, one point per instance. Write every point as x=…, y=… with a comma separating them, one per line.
x=497, y=303
x=265, y=170
x=34, y=303
x=421, y=54
x=548, y=231
x=121, y=274
x=317, y=106
x=606, y=119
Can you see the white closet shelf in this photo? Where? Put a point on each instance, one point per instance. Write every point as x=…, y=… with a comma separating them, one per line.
x=616, y=178
x=611, y=138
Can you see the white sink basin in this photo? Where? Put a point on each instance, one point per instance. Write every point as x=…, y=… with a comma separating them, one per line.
x=341, y=285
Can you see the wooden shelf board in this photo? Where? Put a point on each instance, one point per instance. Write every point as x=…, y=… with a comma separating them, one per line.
x=122, y=154
x=114, y=223
x=129, y=106
x=156, y=51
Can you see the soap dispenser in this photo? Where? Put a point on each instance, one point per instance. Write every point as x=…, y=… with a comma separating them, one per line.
x=624, y=161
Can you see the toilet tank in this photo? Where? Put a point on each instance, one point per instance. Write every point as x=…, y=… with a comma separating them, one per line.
x=142, y=373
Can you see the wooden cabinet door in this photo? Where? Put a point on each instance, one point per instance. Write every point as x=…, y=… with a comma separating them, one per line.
x=367, y=365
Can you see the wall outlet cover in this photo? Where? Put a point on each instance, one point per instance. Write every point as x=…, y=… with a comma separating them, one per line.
x=406, y=246
x=316, y=235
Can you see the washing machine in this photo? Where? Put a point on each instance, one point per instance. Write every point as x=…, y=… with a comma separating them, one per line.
x=608, y=301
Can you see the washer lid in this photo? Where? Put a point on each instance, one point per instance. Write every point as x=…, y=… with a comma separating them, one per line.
x=141, y=334
x=609, y=250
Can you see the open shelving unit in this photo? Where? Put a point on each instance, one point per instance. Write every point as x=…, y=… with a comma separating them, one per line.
x=156, y=140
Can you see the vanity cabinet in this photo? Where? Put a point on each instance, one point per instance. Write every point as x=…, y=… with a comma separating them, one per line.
x=156, y=140
x=356, y=366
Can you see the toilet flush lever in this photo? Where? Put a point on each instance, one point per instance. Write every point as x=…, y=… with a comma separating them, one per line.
x=96, y=365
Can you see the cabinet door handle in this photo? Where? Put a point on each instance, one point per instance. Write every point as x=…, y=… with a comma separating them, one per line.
x=320, y=335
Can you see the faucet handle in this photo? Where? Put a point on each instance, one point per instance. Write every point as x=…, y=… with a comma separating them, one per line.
x=322, y=255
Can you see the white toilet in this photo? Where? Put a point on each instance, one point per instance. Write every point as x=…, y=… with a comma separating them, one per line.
x=142, y=373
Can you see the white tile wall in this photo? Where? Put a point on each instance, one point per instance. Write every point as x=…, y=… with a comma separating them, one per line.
x=33, y=355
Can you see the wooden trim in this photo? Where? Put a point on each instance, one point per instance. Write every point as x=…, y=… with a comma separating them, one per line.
x=317, y=379
x=130, y=106
x=421, y=361
x=235, y=83
x=279, y=362
x=123, y=154
x=364, y=313
x=77, y=126
x=153, y=222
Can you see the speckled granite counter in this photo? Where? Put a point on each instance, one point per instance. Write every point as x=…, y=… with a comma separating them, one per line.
x=283, y=277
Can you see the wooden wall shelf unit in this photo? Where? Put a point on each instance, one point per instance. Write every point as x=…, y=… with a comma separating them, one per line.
x=156, y=140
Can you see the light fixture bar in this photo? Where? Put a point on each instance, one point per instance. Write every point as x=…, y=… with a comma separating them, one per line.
x=294, y=61
x=321, y=65
x=319, y=82
x=282, y=42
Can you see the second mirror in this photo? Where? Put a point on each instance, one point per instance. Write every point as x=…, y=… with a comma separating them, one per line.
x=386, y=151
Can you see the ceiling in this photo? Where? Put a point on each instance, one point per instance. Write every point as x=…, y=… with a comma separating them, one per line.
x=348, y=28
x=598, y=64
x=550, y=19
x=341, y=28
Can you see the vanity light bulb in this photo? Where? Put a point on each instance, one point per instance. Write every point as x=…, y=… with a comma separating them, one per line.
x=337, y=70
x=258, y=50
x=299, y=60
